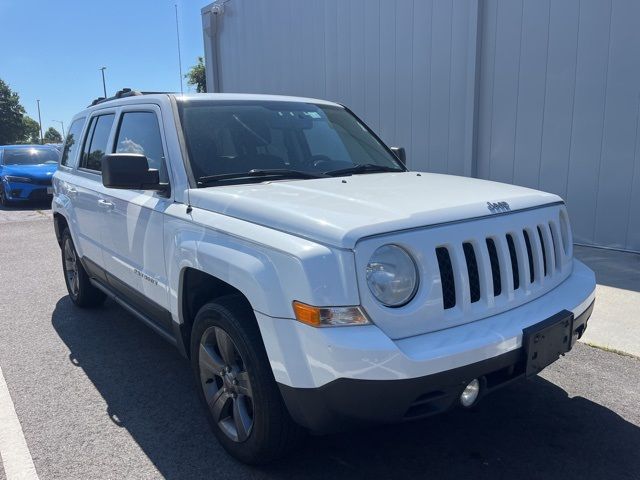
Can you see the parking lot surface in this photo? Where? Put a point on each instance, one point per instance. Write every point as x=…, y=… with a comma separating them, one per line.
x=99, y=396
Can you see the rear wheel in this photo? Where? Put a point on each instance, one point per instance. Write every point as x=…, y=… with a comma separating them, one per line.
x=80, y=289
x=244, y=405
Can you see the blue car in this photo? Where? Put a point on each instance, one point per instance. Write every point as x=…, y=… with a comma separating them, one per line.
x=26, y=171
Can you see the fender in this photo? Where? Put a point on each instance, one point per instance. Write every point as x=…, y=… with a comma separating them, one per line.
x=270, y=268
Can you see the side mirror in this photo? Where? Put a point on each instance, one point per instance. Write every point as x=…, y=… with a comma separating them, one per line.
x=129, y=171
x=401, y=154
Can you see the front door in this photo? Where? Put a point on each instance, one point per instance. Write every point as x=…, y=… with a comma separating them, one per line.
x=133, y=233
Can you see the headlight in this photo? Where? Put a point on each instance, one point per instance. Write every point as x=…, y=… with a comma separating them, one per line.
x=11, y=178
x=392, y=276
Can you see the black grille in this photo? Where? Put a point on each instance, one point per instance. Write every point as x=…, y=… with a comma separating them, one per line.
x=529, y=254
x=39, y=194
x=472, y=270
x=544, y=253
x=495, y=267
x=446, y=277
x=44, y=181
x=514, y=262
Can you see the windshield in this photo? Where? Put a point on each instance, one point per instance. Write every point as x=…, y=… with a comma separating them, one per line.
x=288, y=139
x=30, y=156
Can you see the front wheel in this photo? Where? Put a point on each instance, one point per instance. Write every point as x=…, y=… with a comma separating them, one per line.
x=80, y=289
x=244, y=405
x=4, y=201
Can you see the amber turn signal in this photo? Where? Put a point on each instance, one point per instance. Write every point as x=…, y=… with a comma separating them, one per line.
x=329, y=316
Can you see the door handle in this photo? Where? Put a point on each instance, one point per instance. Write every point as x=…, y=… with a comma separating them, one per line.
x=105, y=204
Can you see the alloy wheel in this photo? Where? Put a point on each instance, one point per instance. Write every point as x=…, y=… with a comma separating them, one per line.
x=71, y=268
x=225, y=383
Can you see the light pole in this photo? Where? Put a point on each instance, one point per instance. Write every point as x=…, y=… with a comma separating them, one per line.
x=40, y=123
x=179, y=54
x=104, y=85
x=62, y=125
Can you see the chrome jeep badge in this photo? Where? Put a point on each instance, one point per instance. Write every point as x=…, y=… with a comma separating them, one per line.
x=498, y=207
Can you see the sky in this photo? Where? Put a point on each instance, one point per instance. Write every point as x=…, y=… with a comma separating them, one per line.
x=52, y=50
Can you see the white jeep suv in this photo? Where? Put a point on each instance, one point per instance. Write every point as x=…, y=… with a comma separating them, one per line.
x=311, y=279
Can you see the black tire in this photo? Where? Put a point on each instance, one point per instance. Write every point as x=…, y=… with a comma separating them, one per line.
x=4, y=201
x=272, y=433
x=80, y=289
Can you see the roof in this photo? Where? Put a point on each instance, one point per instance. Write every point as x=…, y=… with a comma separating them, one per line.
x=248, y=97
x=130, y=96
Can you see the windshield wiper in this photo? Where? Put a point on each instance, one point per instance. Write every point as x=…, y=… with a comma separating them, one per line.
x=362, y=168
x=260, y=173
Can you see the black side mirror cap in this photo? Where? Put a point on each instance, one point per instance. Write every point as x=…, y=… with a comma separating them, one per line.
x=401, y=154
x=129, y=171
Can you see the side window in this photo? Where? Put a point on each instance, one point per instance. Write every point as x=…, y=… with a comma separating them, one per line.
x=139, y=132
x=95, y=144
x=72, y=141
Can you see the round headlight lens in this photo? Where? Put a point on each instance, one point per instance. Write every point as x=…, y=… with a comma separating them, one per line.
x=392, y=276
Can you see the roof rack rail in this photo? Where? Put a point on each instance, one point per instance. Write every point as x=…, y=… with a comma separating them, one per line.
x=125, y=92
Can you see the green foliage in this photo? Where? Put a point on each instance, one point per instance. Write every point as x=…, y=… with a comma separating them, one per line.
x=15, y=125
x=196, y=76
x=52, y=136
x=31, y=131
x=11, y=116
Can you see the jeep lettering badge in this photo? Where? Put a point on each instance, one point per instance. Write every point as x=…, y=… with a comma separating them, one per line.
x=498, y=207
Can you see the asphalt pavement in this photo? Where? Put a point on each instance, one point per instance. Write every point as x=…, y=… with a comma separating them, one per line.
x=100, y=396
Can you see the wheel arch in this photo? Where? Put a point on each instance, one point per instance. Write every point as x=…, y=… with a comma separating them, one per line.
x=59, y=224
x=198, y=288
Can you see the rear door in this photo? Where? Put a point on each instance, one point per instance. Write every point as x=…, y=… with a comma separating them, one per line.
x=90, y=209
x=133, y=231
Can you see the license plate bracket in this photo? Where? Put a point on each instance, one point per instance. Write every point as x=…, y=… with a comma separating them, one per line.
x=546, y=341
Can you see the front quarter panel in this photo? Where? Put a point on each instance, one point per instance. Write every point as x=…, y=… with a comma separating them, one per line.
x=269, y=267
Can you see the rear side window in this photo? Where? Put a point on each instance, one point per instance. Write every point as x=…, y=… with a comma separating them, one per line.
x=139, y=132
x=95, y=144
x=72, y=142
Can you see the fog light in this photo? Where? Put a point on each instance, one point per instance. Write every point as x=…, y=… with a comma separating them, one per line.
x=470, y=394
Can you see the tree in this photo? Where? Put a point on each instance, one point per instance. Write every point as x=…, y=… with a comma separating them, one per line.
x=196, y=76
x=11, y=116
x=52, y=136
x=31, y=130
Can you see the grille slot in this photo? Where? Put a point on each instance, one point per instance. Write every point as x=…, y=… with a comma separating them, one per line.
x=446, y=278
x=554, y=246
x=529, y=255
x=495, y=267
x=472, y=271
x=514, y=262
x=544, y=252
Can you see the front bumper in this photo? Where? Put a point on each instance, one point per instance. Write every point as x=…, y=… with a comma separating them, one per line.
x=307, y=360
x=347, y=402
x=16, y=191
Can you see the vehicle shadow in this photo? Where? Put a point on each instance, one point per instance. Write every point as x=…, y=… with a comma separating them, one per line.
x=528, y=430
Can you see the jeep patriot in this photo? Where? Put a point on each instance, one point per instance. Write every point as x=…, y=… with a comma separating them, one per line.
x=312, y=280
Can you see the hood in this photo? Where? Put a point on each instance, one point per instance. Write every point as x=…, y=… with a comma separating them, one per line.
x=340, y=211
x=40, y=172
